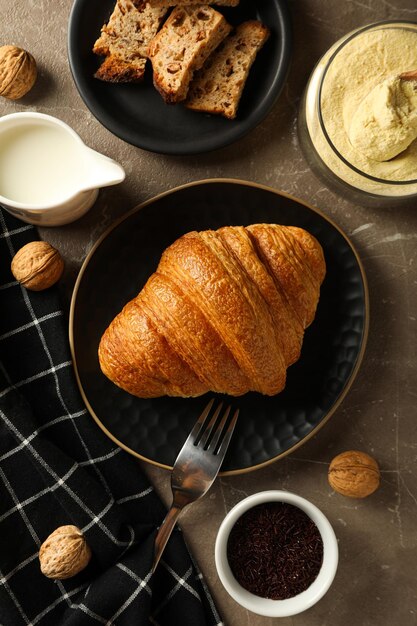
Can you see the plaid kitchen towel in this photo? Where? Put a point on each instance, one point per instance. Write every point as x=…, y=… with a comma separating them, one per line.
x=58, y=468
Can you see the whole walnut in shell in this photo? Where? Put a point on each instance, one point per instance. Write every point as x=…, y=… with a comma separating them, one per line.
x=354, y=474
x=65, y=553
x=18, y=72
x=37, y=265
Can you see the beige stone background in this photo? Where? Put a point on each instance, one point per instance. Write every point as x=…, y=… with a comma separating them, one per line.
x=376, y=580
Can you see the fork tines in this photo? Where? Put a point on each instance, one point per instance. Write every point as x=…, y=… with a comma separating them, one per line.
x=214, y=433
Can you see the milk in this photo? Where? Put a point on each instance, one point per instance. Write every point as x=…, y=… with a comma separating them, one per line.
x=48, y=176
x=39, y=164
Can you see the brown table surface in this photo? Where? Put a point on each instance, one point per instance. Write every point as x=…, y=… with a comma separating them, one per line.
x=376, y=580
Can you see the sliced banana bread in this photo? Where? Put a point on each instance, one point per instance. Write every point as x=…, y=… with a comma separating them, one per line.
x=181, y=47
x=124, y=40
x=218, y=86
x=183, y=3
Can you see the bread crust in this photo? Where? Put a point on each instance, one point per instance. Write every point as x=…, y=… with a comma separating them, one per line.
x=218, y=86
x=124, y=41
x=115, y=70
x=188, y=37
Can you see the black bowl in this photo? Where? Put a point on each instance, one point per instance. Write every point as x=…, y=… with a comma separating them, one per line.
x=137, y=113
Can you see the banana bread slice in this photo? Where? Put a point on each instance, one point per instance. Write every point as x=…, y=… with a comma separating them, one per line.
x=124, y=40
x=218, y=86
x=183, y=3
x=181, y=47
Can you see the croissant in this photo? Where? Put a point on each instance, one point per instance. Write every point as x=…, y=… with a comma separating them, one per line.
x=225, y=311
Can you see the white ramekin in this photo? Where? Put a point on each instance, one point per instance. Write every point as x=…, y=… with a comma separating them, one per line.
x=300, y=602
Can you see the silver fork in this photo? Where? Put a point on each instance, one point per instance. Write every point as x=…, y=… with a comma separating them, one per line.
x=196, y=467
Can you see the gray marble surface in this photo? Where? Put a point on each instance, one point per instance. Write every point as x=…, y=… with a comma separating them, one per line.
x=376, y=582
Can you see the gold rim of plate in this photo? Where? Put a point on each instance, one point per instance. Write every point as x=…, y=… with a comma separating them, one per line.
x=137, y=208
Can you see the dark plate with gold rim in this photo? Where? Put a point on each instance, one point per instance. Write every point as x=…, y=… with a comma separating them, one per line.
x=268, y=427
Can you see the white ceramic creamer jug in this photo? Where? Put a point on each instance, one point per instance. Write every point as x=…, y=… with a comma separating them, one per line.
x=48, y=176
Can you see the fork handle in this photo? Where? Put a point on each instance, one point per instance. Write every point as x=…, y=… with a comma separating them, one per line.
x=164, y=533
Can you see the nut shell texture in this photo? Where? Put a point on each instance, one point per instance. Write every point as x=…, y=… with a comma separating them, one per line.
x=65, y=553
x=37, y=265
x=18, y=72
x=354, y=474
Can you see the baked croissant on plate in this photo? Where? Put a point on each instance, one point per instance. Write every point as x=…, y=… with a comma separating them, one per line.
x=225, y=311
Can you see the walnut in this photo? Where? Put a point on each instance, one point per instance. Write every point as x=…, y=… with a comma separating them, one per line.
x=17, y=72
x=203, y=15
x=173, y=68
x=64, y=553
x=354, y=474
x=37, y=265
x=178, y=19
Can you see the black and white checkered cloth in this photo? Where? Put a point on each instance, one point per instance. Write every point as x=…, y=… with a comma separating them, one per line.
x=58, y=468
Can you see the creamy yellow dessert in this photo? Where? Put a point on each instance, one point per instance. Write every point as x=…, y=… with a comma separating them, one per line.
x=385, y=123
x=368, y=113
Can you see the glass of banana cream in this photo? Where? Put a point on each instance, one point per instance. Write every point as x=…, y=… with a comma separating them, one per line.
x=358, y=117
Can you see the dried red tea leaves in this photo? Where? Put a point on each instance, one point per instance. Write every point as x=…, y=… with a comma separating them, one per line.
x=275, y=550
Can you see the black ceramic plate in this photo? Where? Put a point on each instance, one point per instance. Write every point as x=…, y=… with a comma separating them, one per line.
x=268, y=427
x=137, y=113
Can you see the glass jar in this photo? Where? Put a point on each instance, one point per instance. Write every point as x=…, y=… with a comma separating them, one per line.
x=345, y=74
